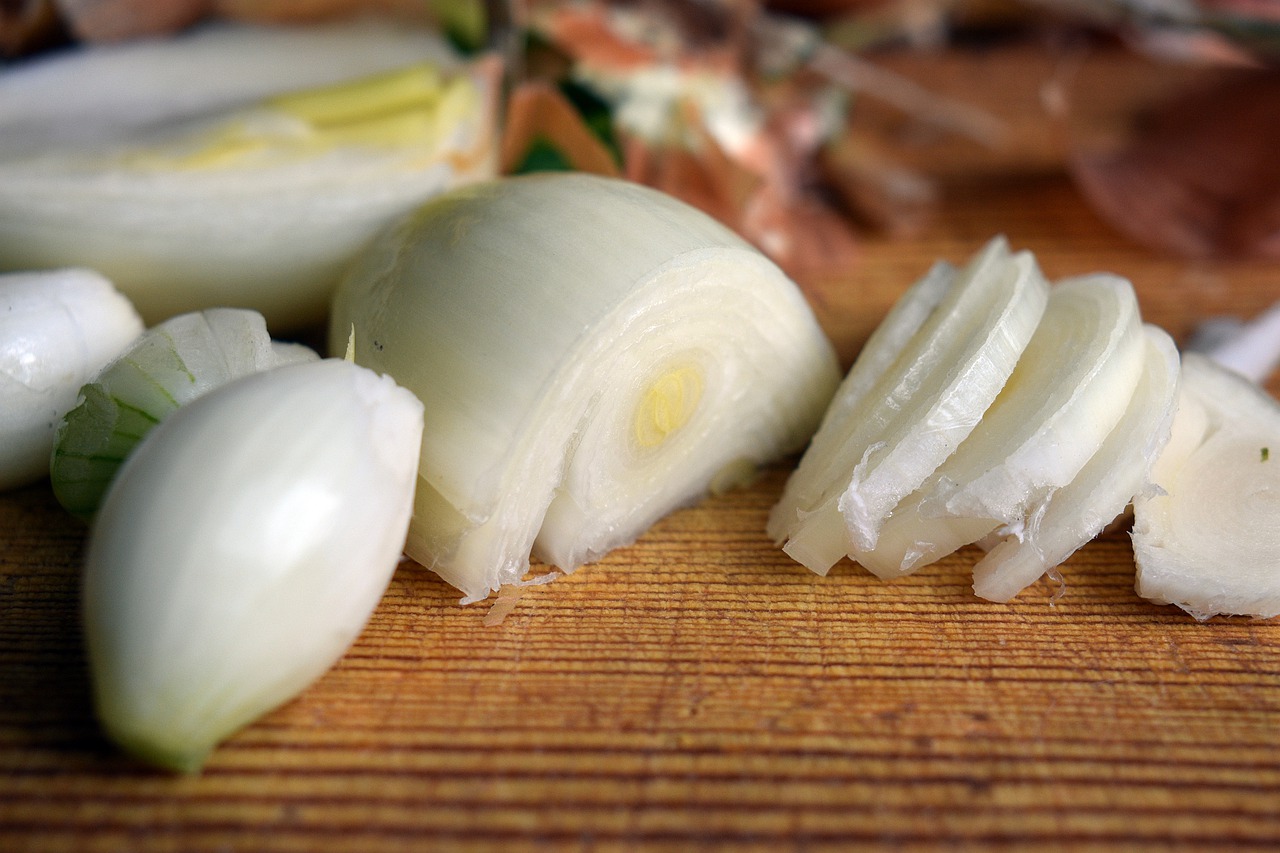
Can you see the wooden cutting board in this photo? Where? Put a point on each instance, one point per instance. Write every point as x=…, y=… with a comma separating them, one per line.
x=699, y=691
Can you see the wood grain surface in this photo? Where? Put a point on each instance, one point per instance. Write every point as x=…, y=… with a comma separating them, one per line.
x=699, y=691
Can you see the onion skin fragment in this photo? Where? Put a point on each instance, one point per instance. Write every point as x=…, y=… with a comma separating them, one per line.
x=241, y=550
x=1205, y=536
x=57, y=329
x=593, y=355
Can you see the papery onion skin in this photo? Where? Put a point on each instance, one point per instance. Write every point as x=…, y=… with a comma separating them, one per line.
x=593, y=353
x=57, y=329
x=241, y=550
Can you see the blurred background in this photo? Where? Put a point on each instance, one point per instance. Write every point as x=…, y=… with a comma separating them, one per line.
x=810, y=125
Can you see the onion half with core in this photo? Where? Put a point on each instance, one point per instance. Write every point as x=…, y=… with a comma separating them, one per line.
x=592, y=354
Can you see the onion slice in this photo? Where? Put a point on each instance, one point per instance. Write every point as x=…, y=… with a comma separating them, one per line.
x=592, y=354
x=917, y=390
x=1072, y=385
x=1101, y=491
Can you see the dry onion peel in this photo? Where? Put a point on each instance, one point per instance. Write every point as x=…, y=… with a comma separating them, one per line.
x=919, y=387
x=241, y=550
x=1205, y=536
x=593, y=354
x=167, y=367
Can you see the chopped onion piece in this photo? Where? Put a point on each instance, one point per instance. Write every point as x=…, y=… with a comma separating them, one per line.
x=920, y=385
x=1205, y=536
x=168, y=366
x=592, y=353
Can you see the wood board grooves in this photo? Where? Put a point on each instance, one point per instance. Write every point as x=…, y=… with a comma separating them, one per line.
x=685, y=697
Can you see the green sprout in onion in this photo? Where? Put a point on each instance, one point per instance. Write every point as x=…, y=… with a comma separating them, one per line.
x=169, y=366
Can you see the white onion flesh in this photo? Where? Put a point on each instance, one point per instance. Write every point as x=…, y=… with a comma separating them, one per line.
x=1100, y=492
x=1071, y=386
x=105, y=93
x=592, y=354
x=919, y=387
x=57, y=329
x=1205, y=536
x=242, y=549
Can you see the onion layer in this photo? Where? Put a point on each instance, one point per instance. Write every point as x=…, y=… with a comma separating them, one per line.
x=167, y=367
x=57, y=329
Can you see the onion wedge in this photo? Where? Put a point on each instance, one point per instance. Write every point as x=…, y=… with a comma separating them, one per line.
x=1072, y=385
x=103, y=93
x=1205, y=536
x=919, y=387
x=592, y=354
x=261, y=207
x=1101, y=491
x=241, y=550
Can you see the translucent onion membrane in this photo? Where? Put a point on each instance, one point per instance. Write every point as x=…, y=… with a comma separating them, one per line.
x=167, y=367
x=259, y=208
x=57, y=329
x=242, y=549
x=1205, y=536
x=592, y=354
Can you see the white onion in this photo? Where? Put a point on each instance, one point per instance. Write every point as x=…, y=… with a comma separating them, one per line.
x=57, y=329
x=241, y=549
x=592, y=355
